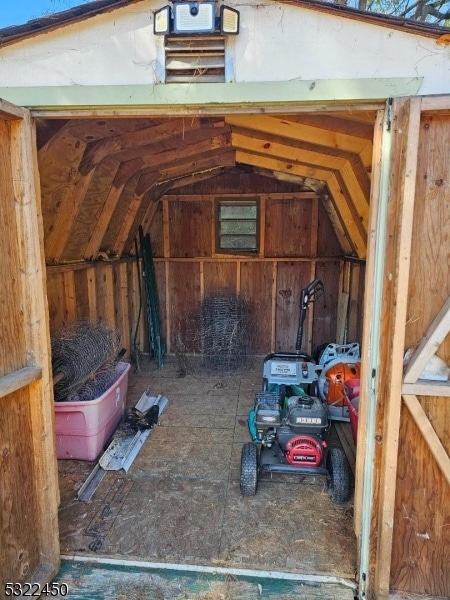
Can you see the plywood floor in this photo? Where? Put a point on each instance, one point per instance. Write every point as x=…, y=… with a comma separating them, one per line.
x=180, y=502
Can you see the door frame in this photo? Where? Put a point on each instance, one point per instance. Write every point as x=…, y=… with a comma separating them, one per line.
x=396, y=146
x=388, y=391
x=26, y=391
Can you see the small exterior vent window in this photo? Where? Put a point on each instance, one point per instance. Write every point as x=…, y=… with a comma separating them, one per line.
x=237, y=224
x=195, y=59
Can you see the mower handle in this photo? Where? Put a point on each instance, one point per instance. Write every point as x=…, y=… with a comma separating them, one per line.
x=311, y=293
x=288, y=355
x=308, y=295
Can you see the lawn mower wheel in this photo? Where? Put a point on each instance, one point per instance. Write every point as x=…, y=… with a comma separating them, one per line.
x=249, y=469
x=339, y=476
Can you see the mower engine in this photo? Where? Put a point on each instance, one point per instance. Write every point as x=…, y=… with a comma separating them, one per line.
x=301, y=437
x=288, y=422
x=298, y=427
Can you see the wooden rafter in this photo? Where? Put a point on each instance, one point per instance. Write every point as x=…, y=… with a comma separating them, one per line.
x=356, y=123
x=169, y=148
x=355, y=235
x=330, y=209
x=222, y=157
x=123, y=174
x=145, y=215
x=328, y=162
x=304, y=147
x=130, y=223
x=320, y=187
x=306, y=133
x=160, y=134
x=189, y=148
x=69, y=206
x=198, y=176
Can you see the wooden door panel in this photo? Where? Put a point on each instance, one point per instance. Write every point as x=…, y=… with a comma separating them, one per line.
x=28, y=468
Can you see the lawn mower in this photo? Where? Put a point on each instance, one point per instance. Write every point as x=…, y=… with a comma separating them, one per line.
x=289, y=424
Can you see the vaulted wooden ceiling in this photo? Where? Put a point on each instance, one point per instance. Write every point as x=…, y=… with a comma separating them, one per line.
x=99, y=172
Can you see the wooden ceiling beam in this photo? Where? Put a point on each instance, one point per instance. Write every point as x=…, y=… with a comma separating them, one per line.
x=144, y=215
x=127, y=223
x=152, y=207
x=172, y=132
x=124, y=173
x=171, y=128
x=223, y=157
x=320, y=188
x=355, y=124
x=172, y=146
x=356, y=237
x=59, y=225
x=302, y=182
x=308, y=157
x=90, y=209
x=306, y=133
x=91, y=130
x=88, y=130
x=289, y=151
x=330, y=209
x=57, y=175
x=198, y=176
x=133, y=218
x=156, y=157
x=128, y=170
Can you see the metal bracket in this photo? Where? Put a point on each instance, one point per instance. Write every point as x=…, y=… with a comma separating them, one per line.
x=389, y=114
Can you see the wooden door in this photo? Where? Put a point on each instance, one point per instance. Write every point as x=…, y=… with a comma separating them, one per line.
x=29, y=496
x=405, y=433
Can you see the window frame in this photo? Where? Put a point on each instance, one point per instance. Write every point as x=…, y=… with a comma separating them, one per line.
x=240, y=201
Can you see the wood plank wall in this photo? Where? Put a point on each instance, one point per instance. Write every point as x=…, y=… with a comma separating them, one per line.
x=298, y=243
x=29, y=493
x=421, y=539
x=100, y=291
x=16, y=461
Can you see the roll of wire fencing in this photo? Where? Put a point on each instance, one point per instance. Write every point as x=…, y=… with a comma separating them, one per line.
x=84, y=358
x=224, y=331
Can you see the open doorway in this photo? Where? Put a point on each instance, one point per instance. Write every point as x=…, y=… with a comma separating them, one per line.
x=309, y=177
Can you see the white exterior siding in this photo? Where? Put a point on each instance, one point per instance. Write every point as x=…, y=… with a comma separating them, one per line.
x=304, y=44
x=117, y=48
x=277, y=42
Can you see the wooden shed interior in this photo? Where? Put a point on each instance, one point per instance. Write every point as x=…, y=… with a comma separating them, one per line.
x=310, y=174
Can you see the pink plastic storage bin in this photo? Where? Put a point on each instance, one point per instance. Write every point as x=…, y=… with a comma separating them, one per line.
x=83, y=428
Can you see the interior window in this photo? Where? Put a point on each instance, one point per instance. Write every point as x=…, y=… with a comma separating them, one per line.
x=237, y=223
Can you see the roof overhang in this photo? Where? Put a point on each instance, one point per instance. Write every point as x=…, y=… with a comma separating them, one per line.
x=16, y=33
